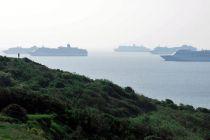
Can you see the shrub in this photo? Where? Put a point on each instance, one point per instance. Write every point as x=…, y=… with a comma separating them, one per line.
x=204, y=110
x=186, y=107
x=152, y=138
x=59, y=85
x=5, y=79
x=15, y=111
x=43, y=82
x=129, y=90
x=207, y=137
x=168, y=101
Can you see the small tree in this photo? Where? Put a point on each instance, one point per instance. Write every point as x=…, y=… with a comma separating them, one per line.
x=15, y=111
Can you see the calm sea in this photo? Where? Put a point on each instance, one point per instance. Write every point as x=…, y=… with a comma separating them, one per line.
x=183, y=82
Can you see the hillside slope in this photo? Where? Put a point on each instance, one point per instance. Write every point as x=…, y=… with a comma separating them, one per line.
x=41, y=103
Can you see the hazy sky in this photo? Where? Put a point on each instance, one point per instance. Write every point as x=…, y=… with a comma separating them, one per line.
x=104, y=24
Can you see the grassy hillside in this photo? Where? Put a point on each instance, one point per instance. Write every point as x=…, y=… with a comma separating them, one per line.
x=40, y=103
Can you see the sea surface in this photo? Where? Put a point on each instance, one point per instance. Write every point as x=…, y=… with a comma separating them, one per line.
x=148, y=74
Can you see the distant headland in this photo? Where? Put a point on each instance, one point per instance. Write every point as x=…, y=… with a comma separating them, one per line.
x=132, y=48
x=44, y=51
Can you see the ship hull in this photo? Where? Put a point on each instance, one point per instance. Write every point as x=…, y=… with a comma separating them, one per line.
x=193, y=59
x=48, y=54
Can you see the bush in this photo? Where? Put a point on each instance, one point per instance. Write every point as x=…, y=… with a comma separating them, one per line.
x=207, y=137
x=168, y=101
x=152, y=138
x=204, y=110
x=43, y=82
x=186, y=107
x=15, y=111
x=5, y=79
x=129, y=90
x=59, y=85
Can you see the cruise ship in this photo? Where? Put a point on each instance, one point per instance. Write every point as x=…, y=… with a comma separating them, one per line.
x=21, y=50
x=166, y=50
x=132, y=48
x=189, y=55
x=60, y=51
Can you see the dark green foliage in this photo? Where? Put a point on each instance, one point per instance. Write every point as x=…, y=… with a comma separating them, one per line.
x=5, y=79
x=112, y=99
x=204, y=110
x=169, y=103
x=186, y=107
x=92, y=124
x=89, y=109
x=32, y=102
x=129, y=90
x=15, y=111
x=59, y=84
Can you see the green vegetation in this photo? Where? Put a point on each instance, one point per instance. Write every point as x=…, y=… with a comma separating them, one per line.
x=40, y=103
x=15, y=111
